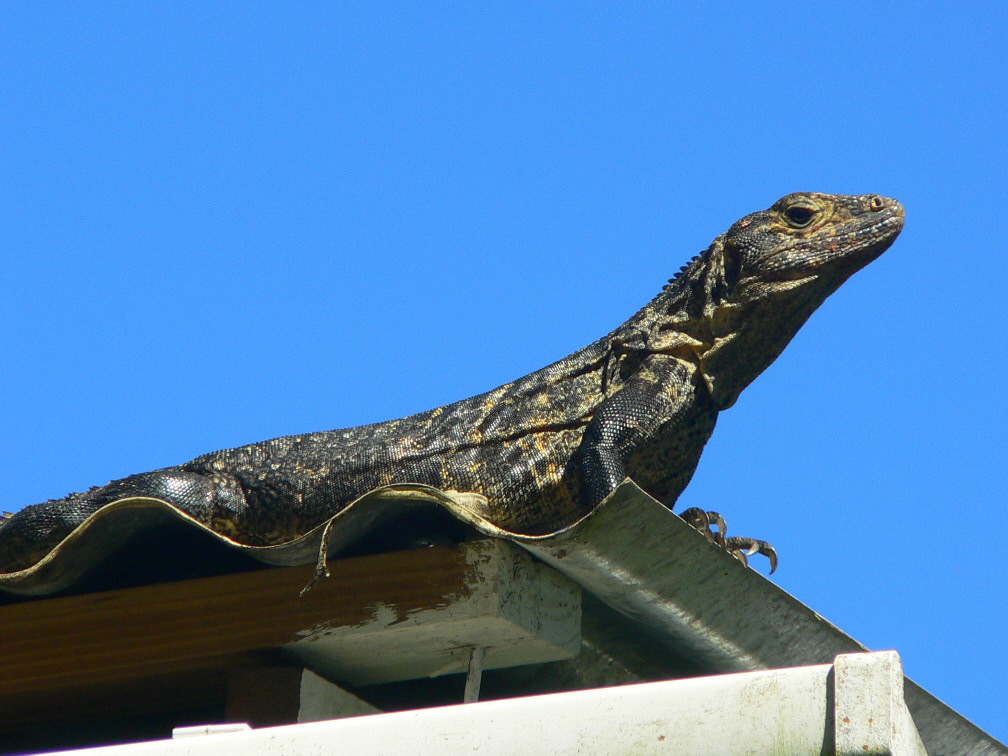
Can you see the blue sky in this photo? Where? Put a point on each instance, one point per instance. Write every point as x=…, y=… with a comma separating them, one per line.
x=225, y=223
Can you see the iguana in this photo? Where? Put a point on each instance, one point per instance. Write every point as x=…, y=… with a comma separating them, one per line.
x=545, y=449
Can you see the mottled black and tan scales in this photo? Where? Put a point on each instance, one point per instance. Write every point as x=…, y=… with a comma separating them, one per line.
x=545, y=449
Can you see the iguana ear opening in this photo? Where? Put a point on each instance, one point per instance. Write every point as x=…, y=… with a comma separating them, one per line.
x=731, y=256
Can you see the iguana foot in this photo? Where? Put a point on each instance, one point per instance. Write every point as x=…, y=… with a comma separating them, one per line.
x=702, y=521
x=739, y=547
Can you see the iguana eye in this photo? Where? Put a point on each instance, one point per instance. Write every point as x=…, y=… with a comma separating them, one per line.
x=799, y=216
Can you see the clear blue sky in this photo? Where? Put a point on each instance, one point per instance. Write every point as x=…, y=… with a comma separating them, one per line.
x=221, y=224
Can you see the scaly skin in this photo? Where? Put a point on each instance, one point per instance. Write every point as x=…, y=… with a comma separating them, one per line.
x=547, y=448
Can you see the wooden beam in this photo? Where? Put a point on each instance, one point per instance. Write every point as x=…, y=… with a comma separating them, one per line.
x=123, y=635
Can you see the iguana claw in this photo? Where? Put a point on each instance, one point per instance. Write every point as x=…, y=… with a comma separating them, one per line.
x=739, y=547
x=702, y=521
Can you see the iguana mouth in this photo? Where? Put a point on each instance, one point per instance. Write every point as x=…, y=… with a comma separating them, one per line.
x=881, y=233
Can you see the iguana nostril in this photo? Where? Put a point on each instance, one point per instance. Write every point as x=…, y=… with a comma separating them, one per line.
x=876, y=203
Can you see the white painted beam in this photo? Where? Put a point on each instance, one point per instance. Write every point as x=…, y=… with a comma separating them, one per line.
x=513, y=607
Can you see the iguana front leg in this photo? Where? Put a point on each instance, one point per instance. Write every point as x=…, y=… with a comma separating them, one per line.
x=658, y=394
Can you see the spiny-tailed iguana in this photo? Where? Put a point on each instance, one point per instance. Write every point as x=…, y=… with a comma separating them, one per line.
x=547, y=448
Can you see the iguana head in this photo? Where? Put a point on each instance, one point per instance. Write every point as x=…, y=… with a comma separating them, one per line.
x=807, y=235
x=767, y=274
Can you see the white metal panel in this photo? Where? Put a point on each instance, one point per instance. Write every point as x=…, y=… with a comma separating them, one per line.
x=782, y=711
